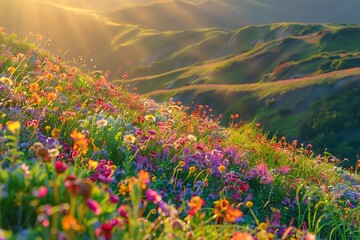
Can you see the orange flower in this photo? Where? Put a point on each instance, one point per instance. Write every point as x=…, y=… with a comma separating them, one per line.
x=70, y=223
x=58, y=88
x=63, y=76
x=48, y=76
x=232, y=214
x=34, y=87
x=51, y=96
x=123, y=189
x=196, y=203
x=221, y=168
x=55, y=68
x=36, y=99
x=80, y=141
x=242, y=236
x=131, y=182
x=144, y=177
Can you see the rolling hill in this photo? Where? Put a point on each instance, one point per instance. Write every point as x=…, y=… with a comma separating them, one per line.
x=206, y=56
x=278, y=72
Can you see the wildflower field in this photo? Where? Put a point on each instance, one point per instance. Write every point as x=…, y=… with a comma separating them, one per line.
x=81, y=158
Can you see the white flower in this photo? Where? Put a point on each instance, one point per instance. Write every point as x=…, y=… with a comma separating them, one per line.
x=101, y=123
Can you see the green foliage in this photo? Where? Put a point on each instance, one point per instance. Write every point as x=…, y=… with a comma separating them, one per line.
x=335, y=127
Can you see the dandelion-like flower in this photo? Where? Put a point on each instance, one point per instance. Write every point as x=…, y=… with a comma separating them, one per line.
x=192, y=138
x=101, y=123
x=6, y=81
x=150, y=118
x=129, y=138
x=13, y=127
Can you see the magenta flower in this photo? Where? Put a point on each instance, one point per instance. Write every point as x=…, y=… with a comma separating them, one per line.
x=153, y=196
x=123, y=211
x=94, y=206
x=60, y=167
x=113, y=198
x=285, y=170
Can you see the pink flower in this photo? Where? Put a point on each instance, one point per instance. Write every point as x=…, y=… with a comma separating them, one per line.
x=285, y=170
x=113, y=198
x=41, y=192
x=123, y=211
x=153, y=196
x=94, y=206
x=60, y=167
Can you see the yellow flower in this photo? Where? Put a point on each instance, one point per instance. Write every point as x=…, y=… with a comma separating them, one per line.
x=249, y=204
x=47, y=128
x=11, y=70
x=263, y=226
x=129, y=138
x=192, y=169
x=150, y=118
x=221, y=168
x=54, y=152
x=55, y=133
x=13, y=127
x=6, y=81
x=92, y=164
x=192, y=138
x=58, y=88
x=181, y=163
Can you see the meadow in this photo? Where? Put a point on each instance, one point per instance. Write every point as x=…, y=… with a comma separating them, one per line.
x=82, y=158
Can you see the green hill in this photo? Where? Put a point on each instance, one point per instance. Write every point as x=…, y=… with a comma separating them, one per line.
x=84, y=159
x=274, y=72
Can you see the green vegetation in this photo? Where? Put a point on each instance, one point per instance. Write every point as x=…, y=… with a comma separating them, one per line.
x=84, y=159
x=333, y=126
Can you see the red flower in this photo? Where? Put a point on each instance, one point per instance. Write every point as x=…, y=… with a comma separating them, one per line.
x=60, y=167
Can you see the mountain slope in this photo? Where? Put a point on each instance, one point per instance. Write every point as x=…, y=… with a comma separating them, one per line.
x=283, y=57
x=84, y=159
x=179, y=15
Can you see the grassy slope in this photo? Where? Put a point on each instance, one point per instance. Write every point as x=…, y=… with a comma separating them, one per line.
x=286, y=52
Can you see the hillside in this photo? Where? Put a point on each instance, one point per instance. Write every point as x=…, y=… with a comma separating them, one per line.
x=303, y=63
x=185, y=15
x=84, y=159
x=163, y=51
